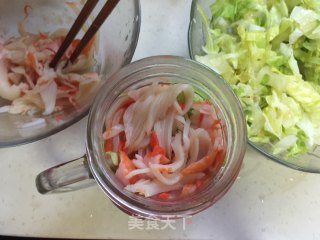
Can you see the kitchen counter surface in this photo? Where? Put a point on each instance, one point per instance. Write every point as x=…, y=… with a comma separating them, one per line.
x=267, y=201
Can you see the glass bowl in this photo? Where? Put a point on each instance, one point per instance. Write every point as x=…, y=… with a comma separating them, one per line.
x=117, y=40
x=167, y=70
x=309, y=162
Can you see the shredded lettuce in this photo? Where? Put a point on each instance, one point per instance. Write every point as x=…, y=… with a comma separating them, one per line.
x=269, y=51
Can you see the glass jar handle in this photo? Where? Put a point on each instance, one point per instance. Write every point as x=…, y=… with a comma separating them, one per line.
x=65, y=177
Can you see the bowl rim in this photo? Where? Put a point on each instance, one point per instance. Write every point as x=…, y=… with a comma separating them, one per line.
x=252, y=144
x=133, y=46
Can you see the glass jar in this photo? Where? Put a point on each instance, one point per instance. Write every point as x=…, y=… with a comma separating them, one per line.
x=170, y=70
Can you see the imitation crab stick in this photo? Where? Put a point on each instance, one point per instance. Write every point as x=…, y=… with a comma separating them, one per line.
x=125, y=167
x=201, y=165
x=166, y=152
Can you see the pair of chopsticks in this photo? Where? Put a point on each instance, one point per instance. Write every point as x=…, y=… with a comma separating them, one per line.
x=77, y=25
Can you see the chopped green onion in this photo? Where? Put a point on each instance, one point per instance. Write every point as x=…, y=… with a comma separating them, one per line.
x=114, y=157
x=190, y=112
x=181, y=98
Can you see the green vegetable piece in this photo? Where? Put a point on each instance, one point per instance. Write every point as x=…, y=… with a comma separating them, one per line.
x=190, y=112
x=181, y=98
x=113, y=157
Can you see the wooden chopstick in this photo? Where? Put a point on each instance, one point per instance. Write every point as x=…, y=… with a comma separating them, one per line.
x=81, y=19
x=99, y=20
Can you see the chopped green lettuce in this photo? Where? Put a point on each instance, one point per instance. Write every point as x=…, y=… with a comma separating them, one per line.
x=269, y=51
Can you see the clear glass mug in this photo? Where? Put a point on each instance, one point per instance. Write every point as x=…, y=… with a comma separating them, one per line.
x=170, y=69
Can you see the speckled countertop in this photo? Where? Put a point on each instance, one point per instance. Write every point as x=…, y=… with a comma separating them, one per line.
x=267, y=201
